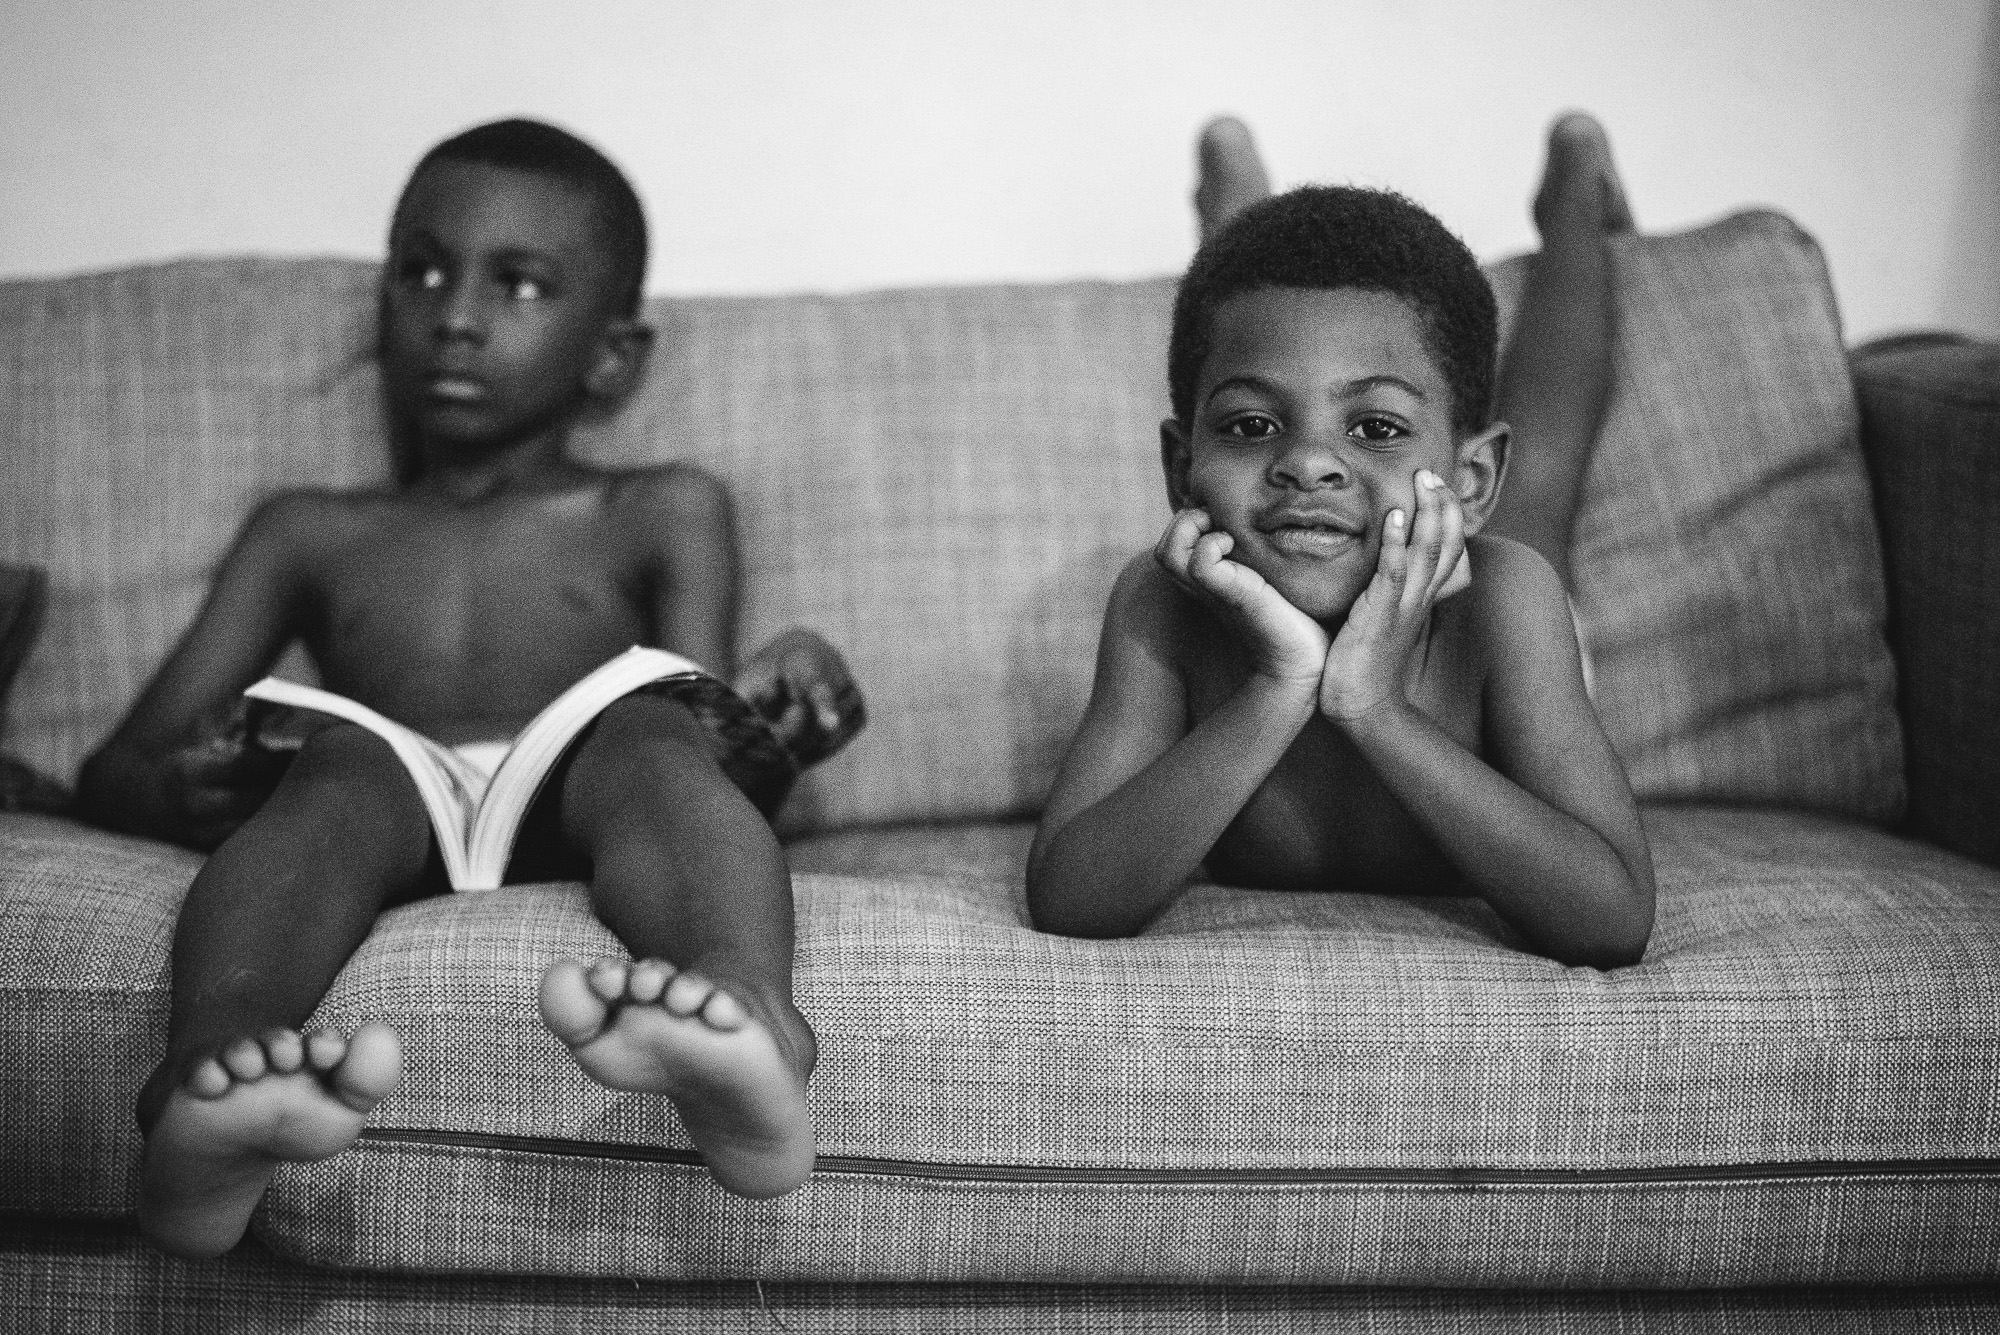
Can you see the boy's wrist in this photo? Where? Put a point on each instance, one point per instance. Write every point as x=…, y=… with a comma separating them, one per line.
x=1281, y=695
x=1382, y=716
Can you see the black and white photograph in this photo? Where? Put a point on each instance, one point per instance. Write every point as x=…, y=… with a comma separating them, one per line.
x=1067, y=666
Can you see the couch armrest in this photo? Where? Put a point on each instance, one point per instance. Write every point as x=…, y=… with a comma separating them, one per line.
x=1930, y=426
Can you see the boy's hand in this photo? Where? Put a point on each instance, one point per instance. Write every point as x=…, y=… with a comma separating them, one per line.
x=801, y=685
x=1289, y=646
x=1418, y=564
x=221, y=775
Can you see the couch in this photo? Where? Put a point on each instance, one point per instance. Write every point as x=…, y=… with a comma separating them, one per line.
x=1269, y=1110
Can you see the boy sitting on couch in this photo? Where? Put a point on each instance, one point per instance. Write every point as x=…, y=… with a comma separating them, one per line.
x=460, y=605
x=1299, y=688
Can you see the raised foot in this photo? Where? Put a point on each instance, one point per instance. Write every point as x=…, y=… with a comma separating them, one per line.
x=276, y=1098
x=1230, y=175
x=1580, y=185
x=651, y=1028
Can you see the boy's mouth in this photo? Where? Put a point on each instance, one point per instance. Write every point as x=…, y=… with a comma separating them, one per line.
x=454, y=389
x=1316, y=534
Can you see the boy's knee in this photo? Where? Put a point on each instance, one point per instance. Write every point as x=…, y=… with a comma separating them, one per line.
x=642, y=750
x=348, y=769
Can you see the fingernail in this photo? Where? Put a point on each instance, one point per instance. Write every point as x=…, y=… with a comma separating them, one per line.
x=1395, y=519
x=1429, y=479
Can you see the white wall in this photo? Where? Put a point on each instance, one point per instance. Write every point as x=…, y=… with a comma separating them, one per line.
x=878, y=142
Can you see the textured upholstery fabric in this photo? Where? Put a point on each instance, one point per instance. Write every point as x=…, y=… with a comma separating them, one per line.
x=97, y=1281
x=946, y=482
x=1797, y=1086
x=1931, y=415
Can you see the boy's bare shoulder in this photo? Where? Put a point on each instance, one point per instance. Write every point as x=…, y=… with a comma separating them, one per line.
x=1147, y=606
x=305, y=519
x=1516, y=605
x=671, y=491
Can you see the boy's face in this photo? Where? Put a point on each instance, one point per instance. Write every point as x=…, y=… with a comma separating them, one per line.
x=1312, y=415
x=499, y=303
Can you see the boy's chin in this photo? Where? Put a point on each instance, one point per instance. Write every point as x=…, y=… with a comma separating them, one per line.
x=1326, y=601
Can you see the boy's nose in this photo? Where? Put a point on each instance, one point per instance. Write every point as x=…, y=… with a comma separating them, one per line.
x=1306, y=464
x=459, y=315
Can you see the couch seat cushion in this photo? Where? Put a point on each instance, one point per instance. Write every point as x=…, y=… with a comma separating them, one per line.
x=1798, y=1085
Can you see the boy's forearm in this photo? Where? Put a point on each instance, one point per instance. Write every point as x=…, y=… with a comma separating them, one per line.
x=1556, y=880
x=1114, y=865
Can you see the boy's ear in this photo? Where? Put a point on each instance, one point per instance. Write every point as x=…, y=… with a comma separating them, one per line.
x=1478, y=473
x=1175, y=458
x=621, y=359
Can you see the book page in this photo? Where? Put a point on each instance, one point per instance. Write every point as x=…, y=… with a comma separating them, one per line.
x=444, y=782
x=541, y=744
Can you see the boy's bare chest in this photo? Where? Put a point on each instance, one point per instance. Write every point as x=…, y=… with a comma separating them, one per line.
x=471, y=622
x=1323, y=819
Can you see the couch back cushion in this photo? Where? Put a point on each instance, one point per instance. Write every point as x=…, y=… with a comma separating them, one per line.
x=946, y=481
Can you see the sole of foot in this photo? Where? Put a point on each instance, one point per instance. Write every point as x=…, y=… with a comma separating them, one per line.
x=279, y=1097
x=654, y=1029
x=1578, y=151
x=1230, y=176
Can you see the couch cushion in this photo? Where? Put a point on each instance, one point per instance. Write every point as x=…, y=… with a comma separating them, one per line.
x=1799, y=1085
x=946, y=481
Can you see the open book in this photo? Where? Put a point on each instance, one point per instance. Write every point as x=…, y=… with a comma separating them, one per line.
x=476, y=819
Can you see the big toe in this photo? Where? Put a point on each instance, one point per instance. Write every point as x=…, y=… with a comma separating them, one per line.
x=569, y=1008
x=373, y=1065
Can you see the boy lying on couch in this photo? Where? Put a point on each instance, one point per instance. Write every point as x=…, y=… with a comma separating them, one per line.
x=460, y=605
x=1283, y=691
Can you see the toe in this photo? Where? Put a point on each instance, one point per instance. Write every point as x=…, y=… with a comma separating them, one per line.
x=284, y=1049
x=649, y=980
x=324, y=1049
x=374, y=1063
x=607, y=980
x=686, y=993
x=244, y=1059
x=208, y=1080
x=724, y=1012
x=569, y=1004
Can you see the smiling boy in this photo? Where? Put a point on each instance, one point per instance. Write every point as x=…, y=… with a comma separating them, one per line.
x=1299, y=688
x=460, y=604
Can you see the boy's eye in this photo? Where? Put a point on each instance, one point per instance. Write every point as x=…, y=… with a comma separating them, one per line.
x=1378, y=430
x=1250, y=426
x=423, y=275
x=522, y=288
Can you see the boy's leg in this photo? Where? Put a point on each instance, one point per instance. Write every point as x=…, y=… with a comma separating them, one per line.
x=1556, y=378
x=689, y=876
x=1229, y=175
x=266, y=926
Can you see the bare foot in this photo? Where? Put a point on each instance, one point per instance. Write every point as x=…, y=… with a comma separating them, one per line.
x=1231, y=175
x=259, y=1102
x=655, y=1029
x=1580, y=185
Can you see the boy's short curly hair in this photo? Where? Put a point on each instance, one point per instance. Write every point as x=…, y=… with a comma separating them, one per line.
x=1334, y=236
x=543, y=149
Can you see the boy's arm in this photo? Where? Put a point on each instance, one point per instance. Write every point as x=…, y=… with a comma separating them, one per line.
x=1547, y=832
x=691, y=528
x=171, y=770
x=1141, y=798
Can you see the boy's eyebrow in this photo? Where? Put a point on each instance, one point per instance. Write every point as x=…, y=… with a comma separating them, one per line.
x=1346, y=391
x=1368, y=382
x=508, y=255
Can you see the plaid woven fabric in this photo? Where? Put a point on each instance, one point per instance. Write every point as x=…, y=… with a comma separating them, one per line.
x=1931, y=409
x=1267, y=1086
x=101, y=1281
x=945, y=482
